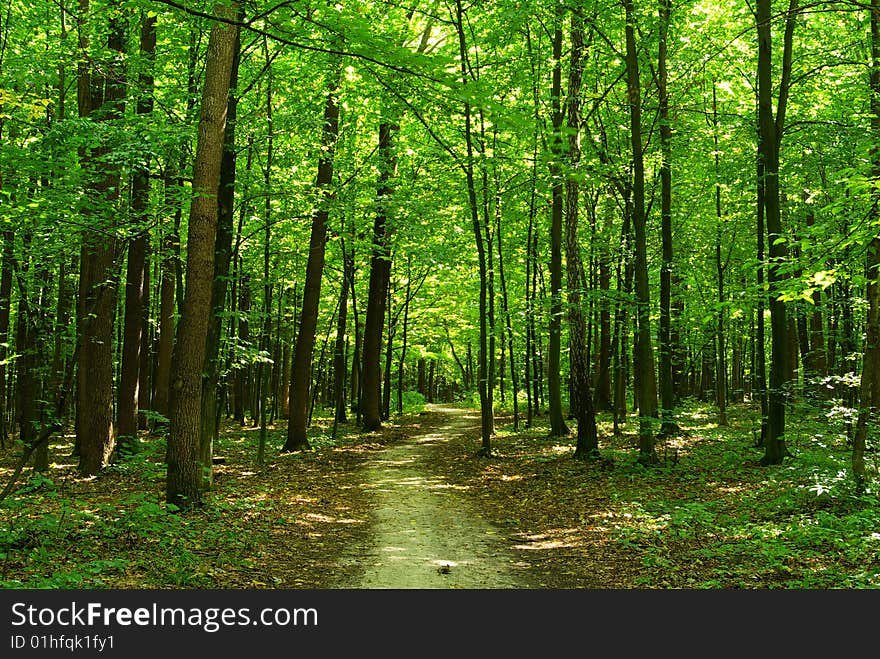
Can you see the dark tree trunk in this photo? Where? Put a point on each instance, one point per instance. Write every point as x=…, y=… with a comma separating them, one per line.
x=558, y=428
x=721, y=362
x=603, y=396
x=301, y=373
x=487, y=421
x=5, y=299
x=380, y=275
x=769, y=140
x=389, y=358
x=402, y=359
x=145, y=375
x=869, y=404
x=263, y=369
x=514, y=378
x=587, y=436
x=137, y=290
x=667, y=391
x=242, y=373
x=98, y=89
x=133, y=338
x=422, y=384
x=647, y=401
x=167, y=285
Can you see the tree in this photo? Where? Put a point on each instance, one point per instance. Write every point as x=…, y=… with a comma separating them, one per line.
x=587, y=435
x=100, y=97
x=137, y=268
x=770, y=134
x=870, y=383
x=647, y=384
x=185, y=471
x=301, y=373
x=558, y=428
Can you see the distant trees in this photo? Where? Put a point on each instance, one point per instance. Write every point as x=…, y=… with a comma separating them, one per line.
x=506, y=200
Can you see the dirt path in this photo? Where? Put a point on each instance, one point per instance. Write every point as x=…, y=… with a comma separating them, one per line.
x=426, y=535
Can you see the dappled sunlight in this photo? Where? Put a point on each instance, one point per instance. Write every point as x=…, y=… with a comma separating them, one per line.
x=552, y=539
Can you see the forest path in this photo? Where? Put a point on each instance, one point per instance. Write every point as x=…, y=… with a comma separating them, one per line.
x=425, y=533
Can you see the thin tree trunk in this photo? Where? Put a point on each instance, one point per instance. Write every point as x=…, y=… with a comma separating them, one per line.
x=265, y=334
x=558, y=428
x=301, y=373
x=167, y=287
x=136, y=284
x=647, y=400
x=339, y=365
x=5, y=305
x=667, y=392
x=402, y=359
x=721, y=370
x=380, y=275
x=487, y=421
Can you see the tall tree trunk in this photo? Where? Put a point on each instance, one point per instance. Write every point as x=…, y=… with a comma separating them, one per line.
x=487, y=420
x=167, y=285
x=759, y=384
x=339, y=365
x=558, y=428
x=380, y=275
x=5, y=305
x=667, y=391
x=98, y=90
x=301, y=373
x=721, y=361
x=769, y=140
x=508, y=322
x=869, y=404
x=587, y=436
x=647, y=382
x=402, y=359
x=263, y=371
x=389, y=358
x=222, y=258
x=603, y=397
x=185, y=475
x=136, y=284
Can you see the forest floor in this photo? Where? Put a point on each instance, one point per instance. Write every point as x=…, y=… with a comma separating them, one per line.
x=412, y=506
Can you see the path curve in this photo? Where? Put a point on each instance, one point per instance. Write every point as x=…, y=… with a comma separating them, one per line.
x=425, y=533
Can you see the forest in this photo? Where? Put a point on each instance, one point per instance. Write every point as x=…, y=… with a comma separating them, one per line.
x=541, y=293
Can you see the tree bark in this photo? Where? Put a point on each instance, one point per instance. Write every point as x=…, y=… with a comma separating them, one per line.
x=869, y=404
x=222, y=259
x=587, y=446
x=185, y=475
x=380, y=275
x=100, y=96
x=487, y=420
x=647, y=380
x=301, y=373
x=769, y=141
x=667, y=391
x=136, y=288
x=558, y=428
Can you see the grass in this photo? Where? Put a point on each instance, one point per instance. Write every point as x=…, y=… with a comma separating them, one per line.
x=707, y=517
